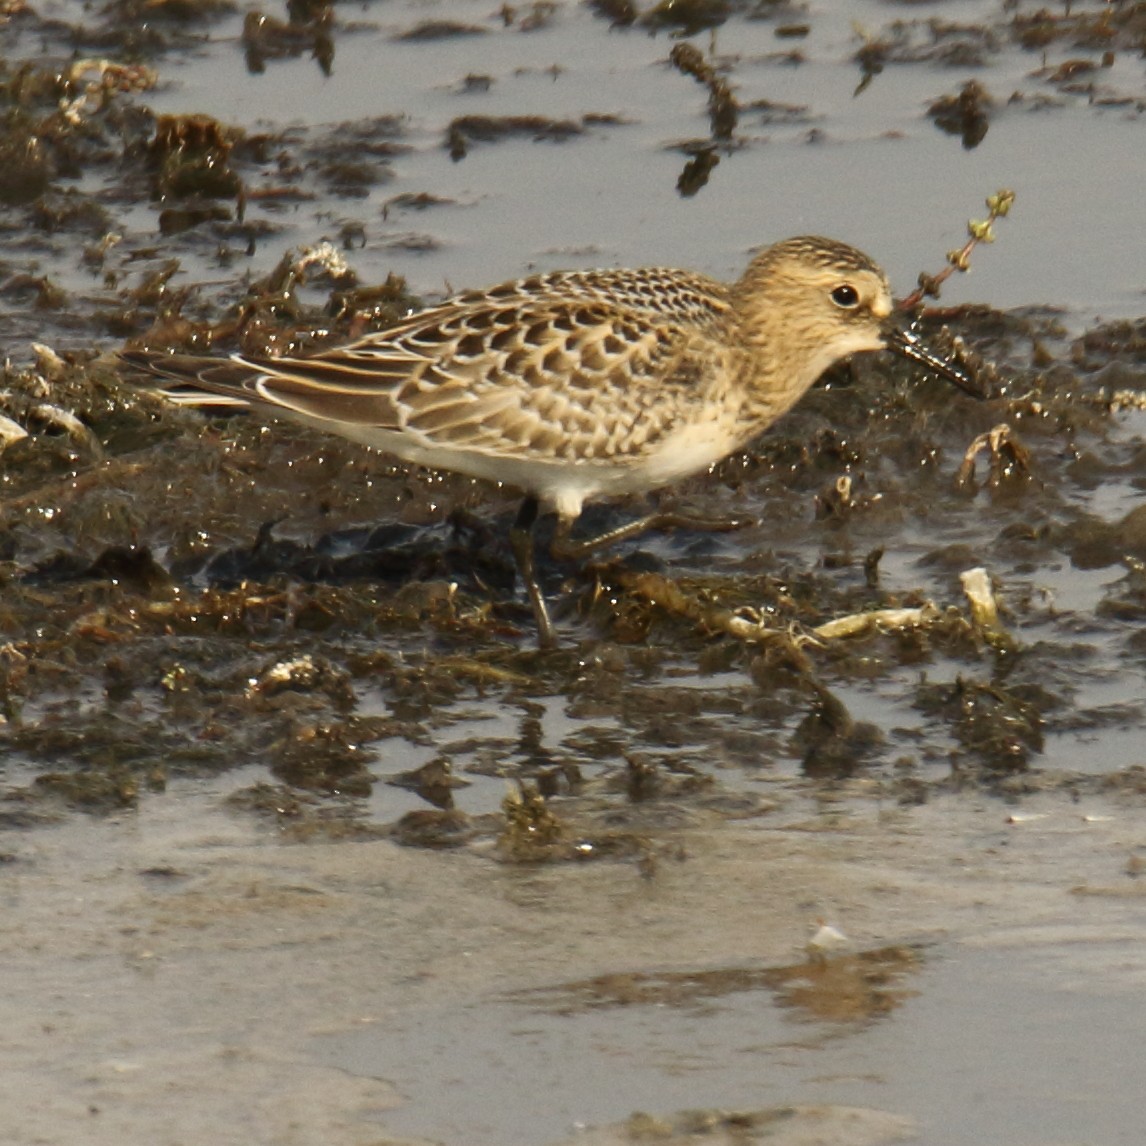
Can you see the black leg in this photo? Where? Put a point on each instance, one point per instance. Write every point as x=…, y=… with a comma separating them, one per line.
x=565, y=549
x=521, y=542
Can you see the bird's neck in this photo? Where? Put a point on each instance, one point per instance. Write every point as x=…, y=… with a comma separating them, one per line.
x=776, y=367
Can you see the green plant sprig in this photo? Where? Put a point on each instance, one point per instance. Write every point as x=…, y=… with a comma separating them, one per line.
x=979, y=231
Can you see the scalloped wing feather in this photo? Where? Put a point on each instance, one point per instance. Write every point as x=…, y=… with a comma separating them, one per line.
x=518, y=379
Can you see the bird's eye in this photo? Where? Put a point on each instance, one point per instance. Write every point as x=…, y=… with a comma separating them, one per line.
x=845, y=295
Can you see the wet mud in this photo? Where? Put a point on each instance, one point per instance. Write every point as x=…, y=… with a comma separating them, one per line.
x=229, y=643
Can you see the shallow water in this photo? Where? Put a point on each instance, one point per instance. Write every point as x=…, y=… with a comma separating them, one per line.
x=877, y=172
x=973, y=1047
x=870, y=167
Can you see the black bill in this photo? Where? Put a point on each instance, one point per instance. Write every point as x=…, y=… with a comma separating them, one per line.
x=910, y=345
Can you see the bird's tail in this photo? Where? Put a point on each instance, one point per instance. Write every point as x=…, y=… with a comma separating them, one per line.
x=190, y=380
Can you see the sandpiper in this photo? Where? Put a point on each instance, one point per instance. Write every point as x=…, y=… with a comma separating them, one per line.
x=579, y=384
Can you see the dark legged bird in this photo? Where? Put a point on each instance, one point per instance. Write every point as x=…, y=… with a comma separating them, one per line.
x=580, y=384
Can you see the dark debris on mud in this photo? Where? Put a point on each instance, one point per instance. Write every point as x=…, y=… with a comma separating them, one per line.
x=181, y=596
x=157, y=619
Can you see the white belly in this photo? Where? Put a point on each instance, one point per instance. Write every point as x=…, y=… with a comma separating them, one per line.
x=562, y=484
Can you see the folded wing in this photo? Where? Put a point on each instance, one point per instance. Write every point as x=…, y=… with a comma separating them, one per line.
x=522, y=370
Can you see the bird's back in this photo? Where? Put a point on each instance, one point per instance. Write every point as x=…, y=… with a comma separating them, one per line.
x=662, y=293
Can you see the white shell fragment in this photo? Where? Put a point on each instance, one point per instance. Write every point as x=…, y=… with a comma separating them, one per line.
x=857, y=624
x=981, y=597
